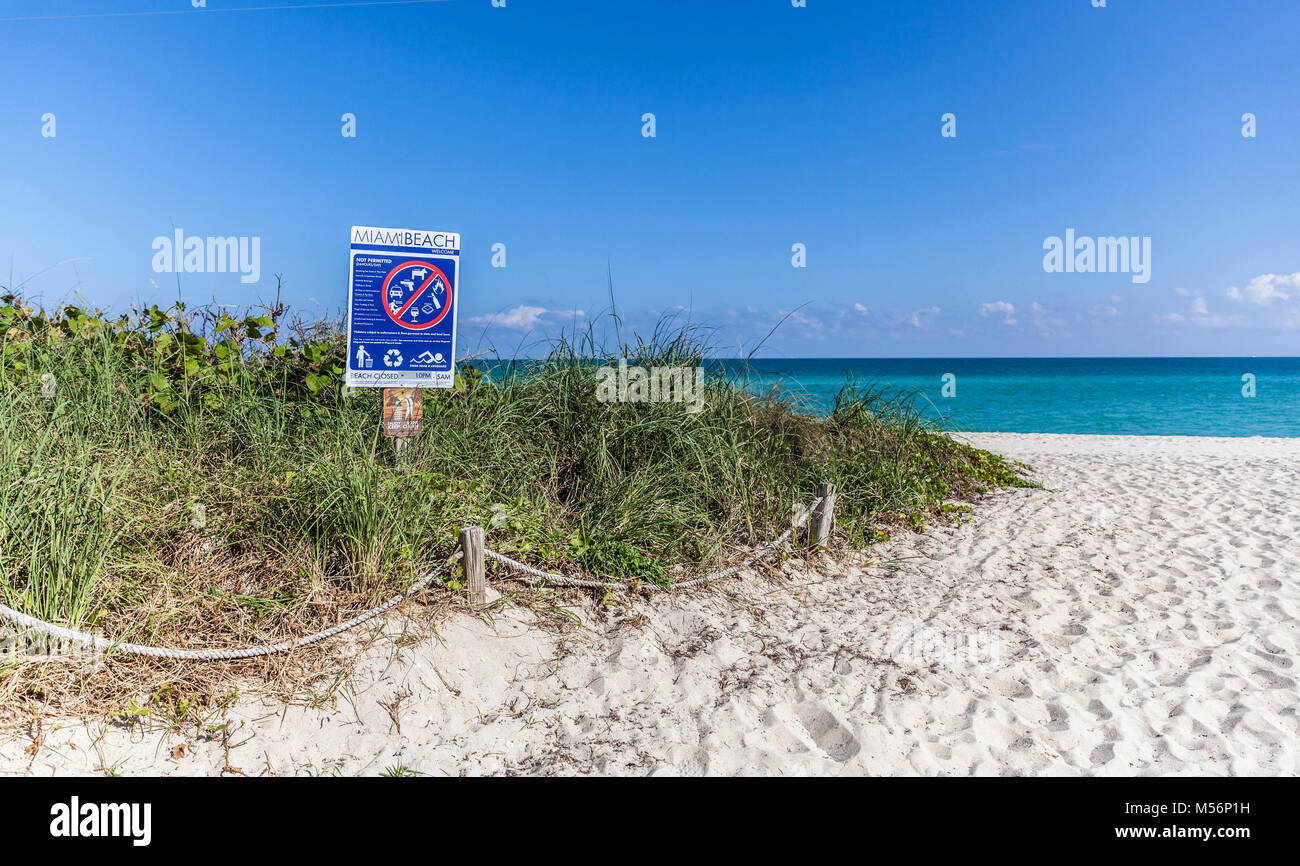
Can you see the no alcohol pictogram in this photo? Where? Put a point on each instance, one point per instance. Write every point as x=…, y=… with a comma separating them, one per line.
x=416, y=295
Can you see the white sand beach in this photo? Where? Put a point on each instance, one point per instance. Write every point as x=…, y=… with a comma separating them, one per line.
x=1139, y=616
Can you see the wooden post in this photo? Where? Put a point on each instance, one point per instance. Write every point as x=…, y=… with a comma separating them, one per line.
x=823, y=519
x=471, y=547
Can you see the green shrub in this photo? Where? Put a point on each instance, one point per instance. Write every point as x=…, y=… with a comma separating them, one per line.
x=245, y=415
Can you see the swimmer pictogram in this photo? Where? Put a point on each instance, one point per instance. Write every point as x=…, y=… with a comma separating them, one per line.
x=416, y=295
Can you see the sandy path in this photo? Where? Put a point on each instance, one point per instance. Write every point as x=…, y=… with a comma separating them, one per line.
x=1138, y=617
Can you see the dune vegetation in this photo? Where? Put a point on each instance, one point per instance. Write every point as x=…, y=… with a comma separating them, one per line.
x=192, y=478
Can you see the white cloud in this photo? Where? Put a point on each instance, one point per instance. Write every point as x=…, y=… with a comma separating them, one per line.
x=1003, y=308
x=811, y=323
x=1266, y=288
x=1200, y=321
x=1198, y=314
x=522, y=317
x=921, y=318
x=1045, y=323
x=1268, y=301
x=860, y=308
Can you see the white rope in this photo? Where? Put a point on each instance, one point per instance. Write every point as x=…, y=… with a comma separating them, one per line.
x=215, y=654
x=532, y=575
x=536, y=575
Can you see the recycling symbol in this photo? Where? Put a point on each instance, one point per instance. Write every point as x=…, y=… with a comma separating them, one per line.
x=392, y=358
x=416, y=295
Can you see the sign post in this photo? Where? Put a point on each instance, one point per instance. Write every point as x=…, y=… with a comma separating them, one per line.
x=403, y=290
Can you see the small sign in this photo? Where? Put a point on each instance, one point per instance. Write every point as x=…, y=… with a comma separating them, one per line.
x=403, y=289
x=403, y=410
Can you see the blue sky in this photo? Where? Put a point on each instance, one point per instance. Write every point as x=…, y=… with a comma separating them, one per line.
x=775, y=125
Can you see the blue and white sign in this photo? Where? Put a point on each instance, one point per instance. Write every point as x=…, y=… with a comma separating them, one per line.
x=402, y=292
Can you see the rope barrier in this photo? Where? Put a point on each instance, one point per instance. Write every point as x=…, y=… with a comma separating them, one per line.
x=215, y=654
x=533, y=575
x=537, y=575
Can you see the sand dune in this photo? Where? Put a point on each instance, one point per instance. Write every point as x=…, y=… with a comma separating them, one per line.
x=1139, y=616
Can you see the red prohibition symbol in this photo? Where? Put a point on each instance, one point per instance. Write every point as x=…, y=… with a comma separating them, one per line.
x=396, y=309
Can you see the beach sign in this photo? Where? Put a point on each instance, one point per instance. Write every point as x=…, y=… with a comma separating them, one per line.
x=403, y=290
x=403, y=411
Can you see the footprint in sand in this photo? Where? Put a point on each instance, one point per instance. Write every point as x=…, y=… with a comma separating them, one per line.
x=814, y=723
x=1011, y=688
x=1103, y=754
x=830, y=736
x=1272, y=653
x=1022, y=744
x=1273, y=680
x=1098, y=709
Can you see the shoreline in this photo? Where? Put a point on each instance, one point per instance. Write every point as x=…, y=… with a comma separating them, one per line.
x=956, y=433
x=1135, y=616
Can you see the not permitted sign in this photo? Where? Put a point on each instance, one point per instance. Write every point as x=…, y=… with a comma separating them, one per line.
x=402, y=294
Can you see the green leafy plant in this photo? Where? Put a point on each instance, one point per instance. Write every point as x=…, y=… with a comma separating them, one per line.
x=308, y=511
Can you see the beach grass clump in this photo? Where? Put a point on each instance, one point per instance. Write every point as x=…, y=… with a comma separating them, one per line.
x=182, y=477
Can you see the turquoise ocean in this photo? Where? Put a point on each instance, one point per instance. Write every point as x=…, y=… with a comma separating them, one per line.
x=1151, y=396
